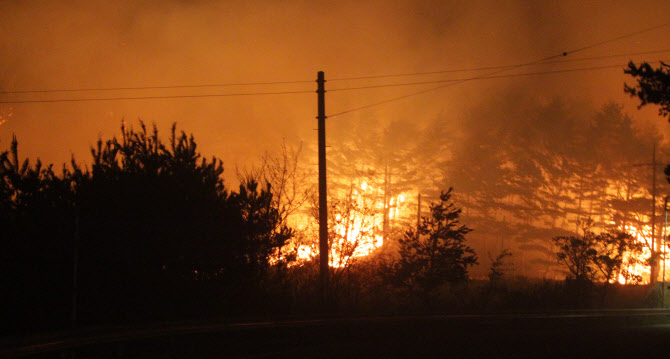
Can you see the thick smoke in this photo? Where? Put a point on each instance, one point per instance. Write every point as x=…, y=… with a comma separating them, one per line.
x=99, y=44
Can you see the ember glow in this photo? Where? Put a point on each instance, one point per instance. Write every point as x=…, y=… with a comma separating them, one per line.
x=356, y=226
x=635, y=266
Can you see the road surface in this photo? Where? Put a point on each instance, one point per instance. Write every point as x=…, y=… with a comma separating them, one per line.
x=612, y=334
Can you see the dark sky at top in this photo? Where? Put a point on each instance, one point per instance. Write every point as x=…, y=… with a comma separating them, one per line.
x=104, y=44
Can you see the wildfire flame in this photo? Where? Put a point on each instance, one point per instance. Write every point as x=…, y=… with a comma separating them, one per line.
x=636, y=265
x=357, y=231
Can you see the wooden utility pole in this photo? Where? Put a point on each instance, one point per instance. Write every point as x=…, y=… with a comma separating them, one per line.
x=323, y=201
x=653, y=199
x=418, y=215
x=665, y=226
x=387, y=204
x=655, y=242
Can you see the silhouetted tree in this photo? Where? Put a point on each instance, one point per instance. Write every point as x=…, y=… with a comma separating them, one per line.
x=527, y=172
x=153, y=216
x=597, y=255
x=262, y=231
x=290, y=188
x=653, y=85
x=390, y=159
x=613, y=251
x=577, y=253
x=497, y=269
x=355, y=228
x=36, y=224
x=435, y=253
x=159, y=236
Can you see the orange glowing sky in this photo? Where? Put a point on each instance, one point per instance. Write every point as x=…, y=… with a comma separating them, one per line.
x=102, y=44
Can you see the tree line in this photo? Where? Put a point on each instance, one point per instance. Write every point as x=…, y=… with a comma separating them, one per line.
x=147, y=221
x=151, y=232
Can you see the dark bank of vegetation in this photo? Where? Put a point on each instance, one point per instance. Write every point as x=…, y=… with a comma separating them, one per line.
x=150, y=232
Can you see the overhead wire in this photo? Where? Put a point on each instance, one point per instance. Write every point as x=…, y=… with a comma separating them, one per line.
x=152, y=97
x=474, y=69
x=631, y=34
x=393, y=99
x=157, y=87
x=542, y=60
x=232, y=84
x=448, y=81
x=486, y=77
x=445, y=82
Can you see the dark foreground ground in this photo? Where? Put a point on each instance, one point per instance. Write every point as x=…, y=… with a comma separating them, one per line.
x=611, y=334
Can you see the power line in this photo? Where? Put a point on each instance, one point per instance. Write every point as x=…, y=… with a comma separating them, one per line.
x=153, y=97
x=498, y=69
x=475, y=78
x=474, y=69
x=439, y=87
x=503, y=69
x=610, y=56
x=447, y=81
x=232, y=84
x=157, y=87
x=649, y=29
x=487, y=77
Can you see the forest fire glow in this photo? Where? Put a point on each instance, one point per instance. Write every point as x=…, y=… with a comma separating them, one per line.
x=356, y=227
x=635, y=268
x=362, y=222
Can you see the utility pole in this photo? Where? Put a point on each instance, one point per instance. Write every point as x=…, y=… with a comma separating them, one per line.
x=653, y=200
x=418, y=215
x=665, y=226
x=655, y=242
x=387, y=205
x=323, y=201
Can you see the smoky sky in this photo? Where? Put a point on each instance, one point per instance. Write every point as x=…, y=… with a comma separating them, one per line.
x=105, y=44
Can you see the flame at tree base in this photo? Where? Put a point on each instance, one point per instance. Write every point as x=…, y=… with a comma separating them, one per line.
x=355, y=229
x=636, y=268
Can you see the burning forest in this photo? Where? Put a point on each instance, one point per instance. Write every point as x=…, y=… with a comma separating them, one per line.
x=472, y=163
